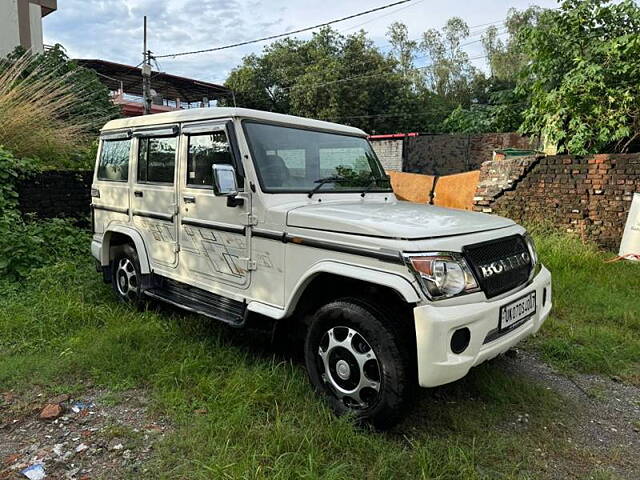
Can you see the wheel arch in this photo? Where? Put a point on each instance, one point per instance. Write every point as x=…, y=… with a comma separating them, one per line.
x=119, y=235
x=329, y=278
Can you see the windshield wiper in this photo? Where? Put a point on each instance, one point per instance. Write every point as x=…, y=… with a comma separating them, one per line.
x=372, y=183
x=323, y=181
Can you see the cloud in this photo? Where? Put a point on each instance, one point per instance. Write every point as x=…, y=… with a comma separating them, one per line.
x=112, y=29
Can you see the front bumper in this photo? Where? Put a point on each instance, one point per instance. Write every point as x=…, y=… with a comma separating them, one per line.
x=435, y=325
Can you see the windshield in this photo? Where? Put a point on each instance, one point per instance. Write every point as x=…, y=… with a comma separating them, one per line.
x=295, y=160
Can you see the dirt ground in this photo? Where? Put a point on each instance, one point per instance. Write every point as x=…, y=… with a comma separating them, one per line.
x=96, y=435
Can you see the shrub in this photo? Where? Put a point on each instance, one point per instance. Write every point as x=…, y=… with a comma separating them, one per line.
x=27, y=244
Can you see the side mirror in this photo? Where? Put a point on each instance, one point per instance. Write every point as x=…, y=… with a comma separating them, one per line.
x=224, y=181
x=225, y=184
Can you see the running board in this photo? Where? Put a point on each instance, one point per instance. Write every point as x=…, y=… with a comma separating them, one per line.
x=198, y=301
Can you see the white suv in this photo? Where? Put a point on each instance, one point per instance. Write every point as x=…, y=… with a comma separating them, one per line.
x=257, y=218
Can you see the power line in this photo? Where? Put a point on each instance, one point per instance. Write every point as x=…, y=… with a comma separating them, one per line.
x=381, y=16
x=359, y=77
x=300, y=30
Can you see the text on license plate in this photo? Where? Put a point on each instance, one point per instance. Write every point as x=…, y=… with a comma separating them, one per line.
x=515, y=311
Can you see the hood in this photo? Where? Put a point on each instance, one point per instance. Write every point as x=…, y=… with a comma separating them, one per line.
x=398, y=220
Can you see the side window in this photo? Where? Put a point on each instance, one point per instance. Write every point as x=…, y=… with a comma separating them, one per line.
x=205, y=151
x=114, y=160
x=157, y=159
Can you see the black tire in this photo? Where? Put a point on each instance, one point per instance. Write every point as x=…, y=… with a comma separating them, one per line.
x=389, y=344
x=126, y=277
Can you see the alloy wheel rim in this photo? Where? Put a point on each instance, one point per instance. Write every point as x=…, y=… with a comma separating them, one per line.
x=351, y=368
x=126, y=279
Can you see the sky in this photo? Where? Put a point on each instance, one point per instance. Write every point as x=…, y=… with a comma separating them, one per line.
x=113, y=29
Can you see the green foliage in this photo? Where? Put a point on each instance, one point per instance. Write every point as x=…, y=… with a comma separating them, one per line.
x=501, y=112
x=583, y=80
x=507, y=58
x=449, y=73
x=25, y=245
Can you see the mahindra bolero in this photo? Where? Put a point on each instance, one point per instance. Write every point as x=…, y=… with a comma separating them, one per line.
x=256, y=218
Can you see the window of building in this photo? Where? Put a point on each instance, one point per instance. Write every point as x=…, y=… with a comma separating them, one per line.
x=157, y=160
x=204, y=152
x=114, y=160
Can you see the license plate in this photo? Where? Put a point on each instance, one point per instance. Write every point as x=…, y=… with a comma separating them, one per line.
x=515, y=311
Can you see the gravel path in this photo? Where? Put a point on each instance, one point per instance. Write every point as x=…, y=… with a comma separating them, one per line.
x=606, y=415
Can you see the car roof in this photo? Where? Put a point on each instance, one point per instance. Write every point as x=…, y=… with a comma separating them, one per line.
x=204, y=114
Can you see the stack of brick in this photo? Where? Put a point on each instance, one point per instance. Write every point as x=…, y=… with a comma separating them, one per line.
x=590, y=196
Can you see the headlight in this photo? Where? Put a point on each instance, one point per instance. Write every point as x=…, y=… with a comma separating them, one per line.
x=535, y=267
x=442, y=275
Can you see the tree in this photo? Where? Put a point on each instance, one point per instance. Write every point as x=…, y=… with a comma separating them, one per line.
x=331, y=77
x=506, y=58
x=583, y=80
x=449, y=73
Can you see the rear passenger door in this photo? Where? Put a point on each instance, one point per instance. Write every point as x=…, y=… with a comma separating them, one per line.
x=110, y=189
x=213, y=236
x=153, y=197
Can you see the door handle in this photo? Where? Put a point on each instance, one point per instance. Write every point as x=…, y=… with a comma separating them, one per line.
x=138, y=193
x=189, y=199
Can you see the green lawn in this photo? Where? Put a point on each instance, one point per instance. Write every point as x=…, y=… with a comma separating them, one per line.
x=595, y=325
x=262, y=419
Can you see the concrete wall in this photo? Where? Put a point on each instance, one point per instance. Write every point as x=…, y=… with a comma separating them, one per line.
x=390, y=153
x=20, y=24
x=590, y=196
x=9, y=30
x=35, y=23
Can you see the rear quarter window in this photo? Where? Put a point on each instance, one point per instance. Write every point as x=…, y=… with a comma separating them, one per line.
x=113, y=164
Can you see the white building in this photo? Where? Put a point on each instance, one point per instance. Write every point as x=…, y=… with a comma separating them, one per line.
x=21, y=24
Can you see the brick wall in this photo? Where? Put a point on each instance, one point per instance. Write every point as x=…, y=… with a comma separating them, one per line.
x=445, y=154
x=390, y=153
x=449, y=154
x=57, y=194
x=590, y=195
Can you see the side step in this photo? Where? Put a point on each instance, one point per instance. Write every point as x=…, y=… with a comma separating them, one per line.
x=198, y=301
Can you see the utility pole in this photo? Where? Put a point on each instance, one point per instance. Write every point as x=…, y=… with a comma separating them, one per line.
x=146, y=73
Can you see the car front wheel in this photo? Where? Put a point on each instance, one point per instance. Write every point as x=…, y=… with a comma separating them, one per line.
x=359, y=361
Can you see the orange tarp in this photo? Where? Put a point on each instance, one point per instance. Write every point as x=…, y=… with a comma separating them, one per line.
x=412, y=187
x=457, y=191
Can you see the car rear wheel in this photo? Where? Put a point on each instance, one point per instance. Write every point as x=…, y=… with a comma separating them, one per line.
x=126, y=277
x=359, y=361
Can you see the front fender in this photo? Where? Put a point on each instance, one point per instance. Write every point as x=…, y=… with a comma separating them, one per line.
x=377, y=277
x=143, y=257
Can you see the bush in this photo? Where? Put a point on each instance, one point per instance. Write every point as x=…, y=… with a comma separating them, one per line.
x=28, y=244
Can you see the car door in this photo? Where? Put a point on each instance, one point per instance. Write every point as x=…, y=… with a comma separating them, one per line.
x=213, y=234
x=110, y=188
x=153, y=198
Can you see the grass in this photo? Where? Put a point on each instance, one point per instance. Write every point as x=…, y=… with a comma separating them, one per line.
x=595, y=324
x=241, y=410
